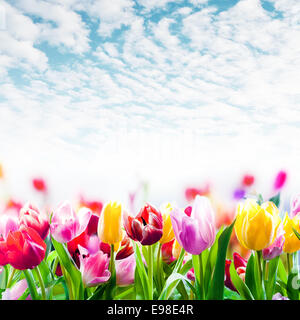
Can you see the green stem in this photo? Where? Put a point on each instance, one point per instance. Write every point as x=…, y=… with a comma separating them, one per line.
x=289, y=264
x=150, y=271
x=260, y=274
x=11, y=276
x=31, y=284
x=201, y=276
x=158, y=270
x=41, y=281
x=112, y=268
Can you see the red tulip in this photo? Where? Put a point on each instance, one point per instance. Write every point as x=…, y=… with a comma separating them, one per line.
x=30, y=216
x=240, y=265
x=146, y=227
x=248, y=180
x=191, y=193
x=39, y=184
x=94, y=205
x=23, y=249
x=280, y=180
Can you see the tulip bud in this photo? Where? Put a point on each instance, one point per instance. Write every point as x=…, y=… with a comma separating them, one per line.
x=256, y=225
x=168, y=233
x=23, y=249
x=109, y=226
x=197, y=232
x=93, y=267
x=146, y=227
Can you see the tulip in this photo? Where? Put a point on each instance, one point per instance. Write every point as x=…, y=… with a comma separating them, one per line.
x=280, y=180
x=197, y=232
x=23, y=249
x=239, y=194
x=125, y=270
x=248, y=180
x=93, y=267
x=146, y=227
x=31, y=217
x=8, y=222
x=291, y=243
x=191, y=274
x=95, y=205
x=16, y=291
x=275, y=249
x=109, y=226
x=167, y=252
x=295, y=205
x=39, y=184
x=66, y=224
x=279, y=296
x=168, y=233
x=191, y=193
x=1, y=172
x=240, y=265
x=256, y=225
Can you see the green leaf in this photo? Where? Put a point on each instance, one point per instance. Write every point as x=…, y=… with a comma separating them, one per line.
x=4, y=277
x=231, y=295
x=31, y=284
x=293, y=286
x=282, y=274
x=67, y=262
x=276, y=200
x=140, y=267
x=272, y=277
x=296, y=233
x=251, y=277
x=216, y=291
x=239, y=284
x=171, y=284
x=260, y=199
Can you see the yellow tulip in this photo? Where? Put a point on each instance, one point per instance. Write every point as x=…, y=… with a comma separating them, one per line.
x=256, y=225
x=176, y=249
x=291, y=242
x=1, y=172
x=168, y=233
x=110, y=223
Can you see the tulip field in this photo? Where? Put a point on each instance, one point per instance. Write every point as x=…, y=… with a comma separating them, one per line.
x=102, y=251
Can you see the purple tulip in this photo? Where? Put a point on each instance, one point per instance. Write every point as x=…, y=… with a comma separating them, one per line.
x=295, y=205
x=275, y=249
x=279, y=296
x=66, y=224
x=197, y=232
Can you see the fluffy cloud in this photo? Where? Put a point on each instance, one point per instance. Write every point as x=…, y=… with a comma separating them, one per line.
x=143, y=91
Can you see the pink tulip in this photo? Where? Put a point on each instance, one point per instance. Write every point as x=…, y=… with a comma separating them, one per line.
x=275, y=249
x=8, y=222
x=16, y=291
x=280, y=180
x=295, y=205
x=93, y=267
x=197, y=232
x=66, y=224
x=30, y=216
x=125, y=270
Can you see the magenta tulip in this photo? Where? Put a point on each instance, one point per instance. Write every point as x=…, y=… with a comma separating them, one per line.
x=66, y=224
x=93, y=267
x=197, y=232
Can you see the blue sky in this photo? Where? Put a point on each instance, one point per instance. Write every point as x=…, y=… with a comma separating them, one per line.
x=98, y=94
